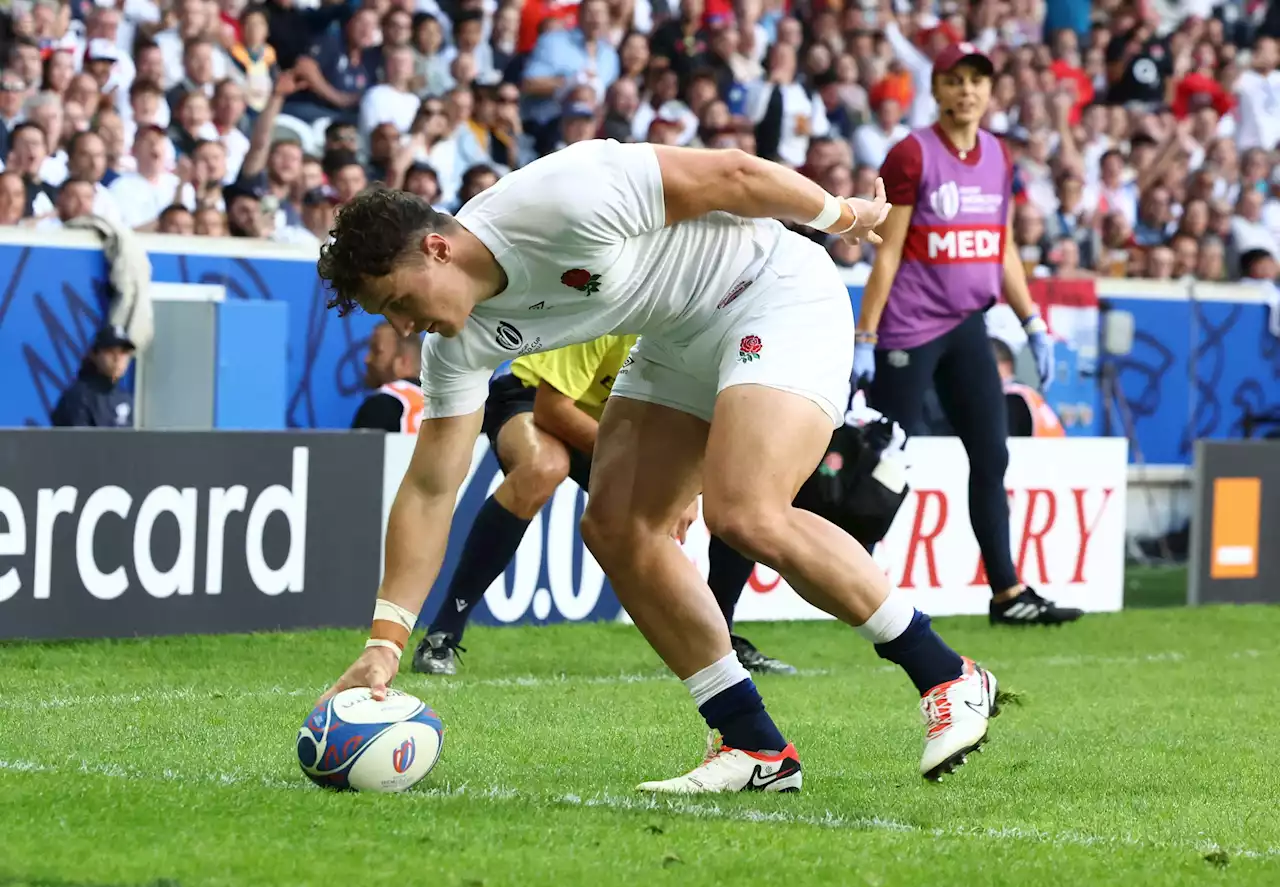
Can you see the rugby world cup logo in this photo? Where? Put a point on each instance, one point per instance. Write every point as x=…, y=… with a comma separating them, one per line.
x=402, y=757
x=945, y=201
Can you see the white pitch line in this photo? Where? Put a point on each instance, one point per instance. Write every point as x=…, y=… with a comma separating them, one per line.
x=705, y=809
x=181, y=694
x=28, y=702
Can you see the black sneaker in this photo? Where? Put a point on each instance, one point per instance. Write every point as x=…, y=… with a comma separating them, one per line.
x=437, y=654
x=1029, y=608
x=753, y=660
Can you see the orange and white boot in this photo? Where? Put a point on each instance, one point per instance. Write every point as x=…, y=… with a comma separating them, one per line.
x=726, y=769
x=956, y=715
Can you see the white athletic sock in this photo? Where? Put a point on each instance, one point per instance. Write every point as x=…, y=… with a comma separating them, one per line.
x=716, y=678
x=890, y=620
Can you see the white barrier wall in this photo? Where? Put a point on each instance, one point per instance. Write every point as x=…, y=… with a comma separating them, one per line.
x=1067, y=498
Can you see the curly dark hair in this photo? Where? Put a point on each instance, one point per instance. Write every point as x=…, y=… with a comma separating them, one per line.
x=371, y=234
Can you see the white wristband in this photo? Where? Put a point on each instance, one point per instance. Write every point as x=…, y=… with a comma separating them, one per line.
x=829, y=216
x=852, y=224
x=383, y=642
x=393, y=612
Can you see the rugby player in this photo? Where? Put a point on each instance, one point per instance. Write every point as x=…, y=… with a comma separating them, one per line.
x=739, y=378
x=541, y=420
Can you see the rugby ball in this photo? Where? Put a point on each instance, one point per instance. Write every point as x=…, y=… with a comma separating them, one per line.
x=354, y=742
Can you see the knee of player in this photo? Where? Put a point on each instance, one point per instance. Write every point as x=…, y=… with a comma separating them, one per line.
x=752, y=527
x=534, y=482
x=609, y=532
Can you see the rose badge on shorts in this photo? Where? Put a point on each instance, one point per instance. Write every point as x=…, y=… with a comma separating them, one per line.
x=749, y=348
x=582, y=280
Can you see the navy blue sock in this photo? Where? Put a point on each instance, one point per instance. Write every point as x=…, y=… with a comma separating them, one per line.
x=727, y=575
x=490, y=546
x=738, y=714
x=924, y=656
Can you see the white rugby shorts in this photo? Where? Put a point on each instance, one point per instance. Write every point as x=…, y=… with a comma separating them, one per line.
x=791, y=329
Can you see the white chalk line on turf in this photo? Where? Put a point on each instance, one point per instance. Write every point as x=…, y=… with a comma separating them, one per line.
x=181, y=694
x=698, y=809
x=416, y=684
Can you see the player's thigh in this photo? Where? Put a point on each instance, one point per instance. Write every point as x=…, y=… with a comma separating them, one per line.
x=646, y=468
x=764, y=444
x=784, y=387
x=969, y=390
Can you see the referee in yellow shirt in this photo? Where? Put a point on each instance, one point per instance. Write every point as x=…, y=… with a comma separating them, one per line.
x=541, y=421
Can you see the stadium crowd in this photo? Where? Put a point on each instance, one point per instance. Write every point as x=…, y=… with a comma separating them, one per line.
x=1144, y=134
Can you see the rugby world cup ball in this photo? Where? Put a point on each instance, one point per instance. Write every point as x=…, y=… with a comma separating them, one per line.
x=354, y=742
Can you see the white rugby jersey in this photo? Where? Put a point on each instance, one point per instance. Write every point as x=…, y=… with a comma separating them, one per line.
x=580, y=234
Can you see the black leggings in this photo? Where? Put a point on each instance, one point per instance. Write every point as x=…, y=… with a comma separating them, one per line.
x=962, y=368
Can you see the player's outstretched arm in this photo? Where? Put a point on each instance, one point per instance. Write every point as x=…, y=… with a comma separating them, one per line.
x=696, y=182
x=417, y=533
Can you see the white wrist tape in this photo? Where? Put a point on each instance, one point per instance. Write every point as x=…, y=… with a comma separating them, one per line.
x=382, y=642
x=829, y=216
x=852, y=224
x=393, y=612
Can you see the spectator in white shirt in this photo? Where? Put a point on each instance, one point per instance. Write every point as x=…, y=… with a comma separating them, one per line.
x=468, y=39
x=150, y=61
x=1114, y=191
x=1258, y=91
x=786, y=116
x=75, y=199
x=143, y=194
x=87, y=160
x=392, y=101
x=193, y=24
x=206, y=173
x=228, y=119
x=101, y=35
x=45, y=111
x=1248, y=231
x=197, y=66
x=318, y=208
x=438, y=147
x=873, y=139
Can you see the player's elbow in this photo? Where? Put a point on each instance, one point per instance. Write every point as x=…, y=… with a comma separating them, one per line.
x=738, y=173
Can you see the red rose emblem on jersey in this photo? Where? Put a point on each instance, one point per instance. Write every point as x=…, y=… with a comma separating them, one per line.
x=581, y=279
x=749, y=348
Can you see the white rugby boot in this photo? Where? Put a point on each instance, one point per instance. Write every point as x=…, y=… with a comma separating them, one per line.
x=727, y=769
x=955, y=716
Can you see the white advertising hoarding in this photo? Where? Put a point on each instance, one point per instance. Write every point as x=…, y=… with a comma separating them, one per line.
x=1067, y=528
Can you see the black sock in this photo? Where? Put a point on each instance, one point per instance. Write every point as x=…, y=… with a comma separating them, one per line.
x=924, y=656
x=727, y=575
x=490, y=546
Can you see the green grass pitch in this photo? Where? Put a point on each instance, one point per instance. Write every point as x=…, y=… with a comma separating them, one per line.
x=1143, y=751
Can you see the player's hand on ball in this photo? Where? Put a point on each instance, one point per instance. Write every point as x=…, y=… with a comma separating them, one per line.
x=375, y=669
x=871, y=215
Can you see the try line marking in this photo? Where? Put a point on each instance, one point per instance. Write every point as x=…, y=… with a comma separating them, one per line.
x=699, y=809
x=416, y=684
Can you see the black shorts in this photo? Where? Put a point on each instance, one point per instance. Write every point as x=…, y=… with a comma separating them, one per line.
x=508, y=398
